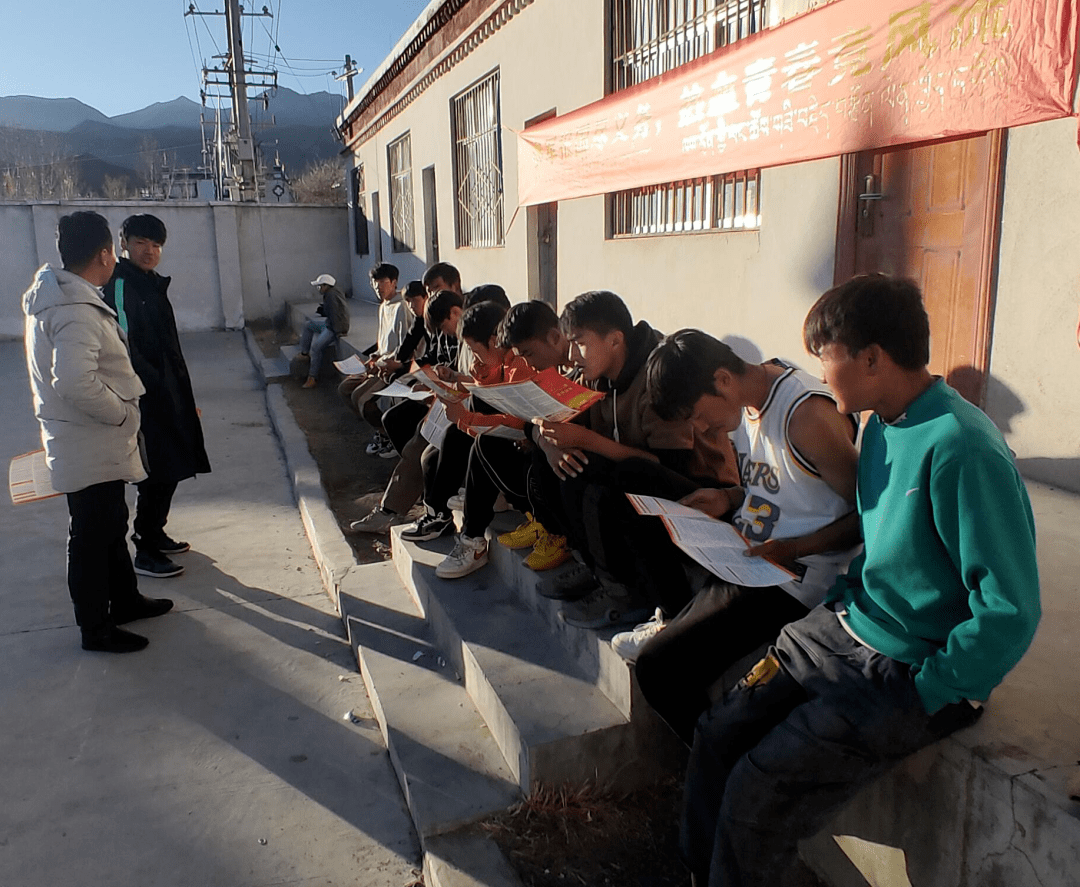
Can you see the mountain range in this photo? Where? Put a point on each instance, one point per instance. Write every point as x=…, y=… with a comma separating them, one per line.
x=297, y=128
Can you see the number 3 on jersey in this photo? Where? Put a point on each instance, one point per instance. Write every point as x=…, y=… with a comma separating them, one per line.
x=762, y=515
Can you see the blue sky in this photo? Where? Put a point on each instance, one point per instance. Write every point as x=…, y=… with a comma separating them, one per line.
x=135, y=54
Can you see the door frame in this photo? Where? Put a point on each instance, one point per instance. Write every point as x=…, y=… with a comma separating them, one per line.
x=990, y=236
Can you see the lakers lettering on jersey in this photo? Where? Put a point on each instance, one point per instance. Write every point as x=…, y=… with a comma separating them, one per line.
x=785, y=495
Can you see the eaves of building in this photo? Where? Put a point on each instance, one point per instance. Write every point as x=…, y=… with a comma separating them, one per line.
x=444, y=35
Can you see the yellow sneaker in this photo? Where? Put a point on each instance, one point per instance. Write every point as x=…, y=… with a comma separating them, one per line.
x=528, y=534
x=549, y=552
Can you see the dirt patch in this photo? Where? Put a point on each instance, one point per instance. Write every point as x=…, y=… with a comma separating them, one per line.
x=353, y=480
x=559, y=837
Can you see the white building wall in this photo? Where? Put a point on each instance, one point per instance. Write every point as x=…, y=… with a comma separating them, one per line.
x=1035, y=362
x=755, y=286
x=551, y=56
x=220, y=255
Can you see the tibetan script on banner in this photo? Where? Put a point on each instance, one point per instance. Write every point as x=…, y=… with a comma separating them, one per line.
x=850, y=76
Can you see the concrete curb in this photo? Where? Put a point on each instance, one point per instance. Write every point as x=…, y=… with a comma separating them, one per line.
x=450, y=860
x=333, y=554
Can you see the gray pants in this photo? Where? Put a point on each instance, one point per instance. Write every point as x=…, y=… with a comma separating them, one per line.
x=812, y=723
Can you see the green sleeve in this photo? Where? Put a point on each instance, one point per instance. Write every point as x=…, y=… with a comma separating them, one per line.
x=983, y=516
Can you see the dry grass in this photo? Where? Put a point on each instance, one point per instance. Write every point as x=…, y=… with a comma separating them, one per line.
x=583, y=836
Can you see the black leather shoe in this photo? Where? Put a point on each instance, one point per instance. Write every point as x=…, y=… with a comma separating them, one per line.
x=146, y=608
x=114, y=640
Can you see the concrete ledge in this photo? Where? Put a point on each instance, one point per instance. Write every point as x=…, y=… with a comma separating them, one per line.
x=591, y=649
x=450, y=768
x=333, y=554
x=466, y=861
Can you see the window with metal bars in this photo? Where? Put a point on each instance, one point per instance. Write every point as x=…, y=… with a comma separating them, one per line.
x=360, y=222
x=478, y=178
x=649, y=37
x=730, y=202
x=399, y=162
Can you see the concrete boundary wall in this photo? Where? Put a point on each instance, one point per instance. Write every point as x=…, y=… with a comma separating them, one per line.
x=229, y=262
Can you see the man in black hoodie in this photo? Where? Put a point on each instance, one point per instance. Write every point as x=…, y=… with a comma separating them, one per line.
x=172, y=432
x=619, y=445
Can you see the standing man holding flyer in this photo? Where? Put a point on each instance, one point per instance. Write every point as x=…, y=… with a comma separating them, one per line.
x=171, y=428
x=86, y=397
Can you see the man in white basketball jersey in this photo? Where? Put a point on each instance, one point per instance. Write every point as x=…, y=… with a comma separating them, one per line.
x=797, y=465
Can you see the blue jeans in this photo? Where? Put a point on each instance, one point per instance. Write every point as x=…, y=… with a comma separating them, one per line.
x=314, y=340
x=812, y=723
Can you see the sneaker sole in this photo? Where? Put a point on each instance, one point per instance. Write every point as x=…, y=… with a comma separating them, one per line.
x=374, y=531
x=473, y=567
x=575, y=594
x=548, y=565
x=427, y=537
x=154, y=575
x=599, y=623
x=169, y=552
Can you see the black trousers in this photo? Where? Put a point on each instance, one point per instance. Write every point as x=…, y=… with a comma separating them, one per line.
x=444, y=469
x=401, y=421
x=545, y=494
x=99, y=572
x=616, y=541
x=152, y=512
x=496, y=465
x=720, y=625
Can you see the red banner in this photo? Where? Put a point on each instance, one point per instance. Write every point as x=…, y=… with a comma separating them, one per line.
x=850, y=76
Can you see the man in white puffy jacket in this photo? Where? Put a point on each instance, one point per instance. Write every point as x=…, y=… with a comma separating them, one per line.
x=86, y=397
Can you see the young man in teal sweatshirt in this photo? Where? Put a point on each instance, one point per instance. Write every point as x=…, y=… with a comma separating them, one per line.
x=941, y=604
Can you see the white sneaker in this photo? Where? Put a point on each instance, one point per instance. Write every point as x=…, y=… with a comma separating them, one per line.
x=378, y=521
x=628, y=644
x=469, y=554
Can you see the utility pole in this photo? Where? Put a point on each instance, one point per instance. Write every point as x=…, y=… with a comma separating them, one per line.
x=348, y=74
x=239, y=166
x=245, y=147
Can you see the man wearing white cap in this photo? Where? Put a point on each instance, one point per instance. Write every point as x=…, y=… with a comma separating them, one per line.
x=318, y=335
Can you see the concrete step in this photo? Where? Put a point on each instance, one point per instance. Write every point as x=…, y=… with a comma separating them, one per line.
x=551, y=721
x=449, y=767
x=591, y=649
x=451, y=770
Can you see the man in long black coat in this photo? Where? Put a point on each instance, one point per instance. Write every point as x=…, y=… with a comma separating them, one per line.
x=170, y=420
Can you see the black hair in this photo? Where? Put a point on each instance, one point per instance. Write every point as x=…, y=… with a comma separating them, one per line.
x=527, y=320
x=599, y=311
x=144, y=225
x=415, y=288
x=872, y=309
x=481, y=321
x=438, y=307
x=443, y=271
x=80, y=236
x=487, y=292
x=682, y=368
x=384, y=271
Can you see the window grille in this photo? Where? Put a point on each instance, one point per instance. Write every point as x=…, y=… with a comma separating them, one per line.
x=717, y=203
x=478, y=178
x=649, y=37
x=399, y=161
x=360, y=222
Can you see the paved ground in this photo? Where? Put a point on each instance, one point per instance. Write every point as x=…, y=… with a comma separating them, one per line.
x=218, y=756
